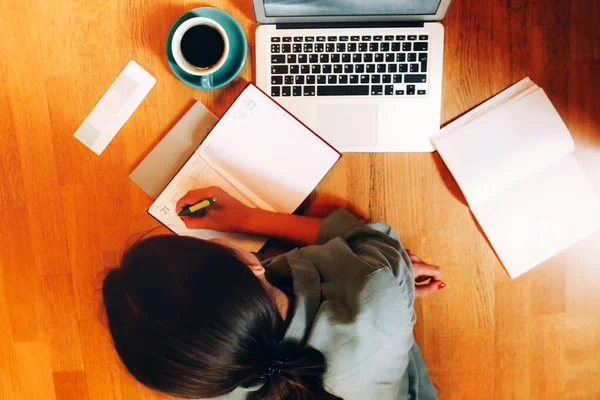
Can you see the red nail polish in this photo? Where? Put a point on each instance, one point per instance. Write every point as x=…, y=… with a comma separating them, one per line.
x=441, y=285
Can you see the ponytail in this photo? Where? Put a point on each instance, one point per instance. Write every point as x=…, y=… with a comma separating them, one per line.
x=189, y=319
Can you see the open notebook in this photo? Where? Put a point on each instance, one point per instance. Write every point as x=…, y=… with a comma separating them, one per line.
x=514, y=161
x=259, y=154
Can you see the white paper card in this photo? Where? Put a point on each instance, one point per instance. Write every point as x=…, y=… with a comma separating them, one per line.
x=114, y=108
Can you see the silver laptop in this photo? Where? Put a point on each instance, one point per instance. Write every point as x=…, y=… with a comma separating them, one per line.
x=366, y=75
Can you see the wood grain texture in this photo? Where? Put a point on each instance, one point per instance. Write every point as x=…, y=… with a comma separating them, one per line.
x=483, y=337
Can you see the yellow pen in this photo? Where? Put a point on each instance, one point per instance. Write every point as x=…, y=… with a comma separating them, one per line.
x=190, y=209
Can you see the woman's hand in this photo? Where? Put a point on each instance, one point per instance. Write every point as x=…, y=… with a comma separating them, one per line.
x=424, y=272
x=226, y=215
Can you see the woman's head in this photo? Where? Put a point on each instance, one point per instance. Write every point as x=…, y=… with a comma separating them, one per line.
x=193, y=319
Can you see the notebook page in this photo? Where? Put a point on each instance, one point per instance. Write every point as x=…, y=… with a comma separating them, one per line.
x=196, y=173
x=541, y=216
x=266, y=152
x=505, y=146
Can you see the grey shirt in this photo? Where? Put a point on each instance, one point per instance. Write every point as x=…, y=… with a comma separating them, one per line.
x=354, y=295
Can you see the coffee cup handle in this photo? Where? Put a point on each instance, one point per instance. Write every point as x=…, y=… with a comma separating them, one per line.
x=206, y=82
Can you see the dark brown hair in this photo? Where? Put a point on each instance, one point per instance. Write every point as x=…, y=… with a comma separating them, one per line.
x=189, y=319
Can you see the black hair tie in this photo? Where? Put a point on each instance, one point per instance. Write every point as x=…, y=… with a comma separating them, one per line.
x=274, y=369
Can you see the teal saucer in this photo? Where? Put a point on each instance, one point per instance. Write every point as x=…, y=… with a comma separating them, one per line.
x=238, y=48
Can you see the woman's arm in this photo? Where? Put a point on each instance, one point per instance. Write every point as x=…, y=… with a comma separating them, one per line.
x=230, y=215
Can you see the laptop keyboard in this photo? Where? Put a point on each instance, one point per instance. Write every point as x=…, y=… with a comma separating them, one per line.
x=367, y=65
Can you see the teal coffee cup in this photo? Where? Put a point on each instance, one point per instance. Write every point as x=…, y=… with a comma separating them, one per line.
x=206, y=48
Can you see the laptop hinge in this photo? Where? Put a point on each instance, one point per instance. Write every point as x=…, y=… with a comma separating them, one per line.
x=338, y=25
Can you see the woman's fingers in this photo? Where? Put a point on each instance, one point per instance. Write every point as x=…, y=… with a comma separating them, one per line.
x=194, y=196
x=430, y=288
x=422, y=269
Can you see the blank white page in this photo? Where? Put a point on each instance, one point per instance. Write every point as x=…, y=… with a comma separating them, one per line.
x=197, y=174
x=504, y=146
x=268, y=154
x=540, y=217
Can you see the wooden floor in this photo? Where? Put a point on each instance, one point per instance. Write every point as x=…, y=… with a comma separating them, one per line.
x=65, y=213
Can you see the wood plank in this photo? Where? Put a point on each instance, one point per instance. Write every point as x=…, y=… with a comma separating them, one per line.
x=70, y=385
x=34, y=375
x=548, y=357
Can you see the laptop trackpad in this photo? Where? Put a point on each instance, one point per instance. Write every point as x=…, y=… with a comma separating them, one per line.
x=349, y=125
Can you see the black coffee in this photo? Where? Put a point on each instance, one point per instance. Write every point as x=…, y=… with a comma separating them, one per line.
x=202, y=46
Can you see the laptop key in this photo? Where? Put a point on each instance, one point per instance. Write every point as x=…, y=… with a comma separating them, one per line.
x=362, y=47
x=375, y=79
x=370, y=68
x=299, y=79
x=412, y=57
x=332, y=38
x=275, y=39
x=332, y=79
x=308, y=47
x=343, y=79
x=276, y=80
x=330, y=47
x=305, y=69
x=387, y=78
x=421, y=92
x=423, y=37
x=368, y=58
x=309, y=39
x=302, y=58
x=309, y=90
x=291, y=59
x=279, y=69
x=321, y=38
x=377, y=90
x=395, y=46
x=385, y=47
x=400, y=37
x=319, y=47
x=289, y=80
x=327, y=69
x=374, y=47
x=348, y=68
x=392, y=68
x=297, y=38
x=412, y=37
x=356, y=58
x=378, y=37
x=397, y=78
x=335, y=58
x=379, y=57
x=345, y=90
x=346, y=58
x=324, y=58
x=406, y=46
x=402, y=67
x=399, y=92
x=355, y=38
x=410, y=90
x=353, y=78
x=310, y=80
x=278, y=59
x=359, y=69
x=381, y=68
x=313, y=58
x=343, y=38
x=352, y=47
x=401, y=57
x=423, y=66
x=286, y=39
x=411, y=78
x=421, y=46
x=422, y=56
x=389, y=90
x=275, y=48
x=321, y=79
x=389, y=57
x=366, y=38
x=389, y=37
x=316, y=69
x=364, y=78
x=286, y=91
x=338, y=69
x=286, y=48
x=297, y=91
x=275, y=91
x=414, y=67
x=340, y=48
x=297, y=48
x=294, y=69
